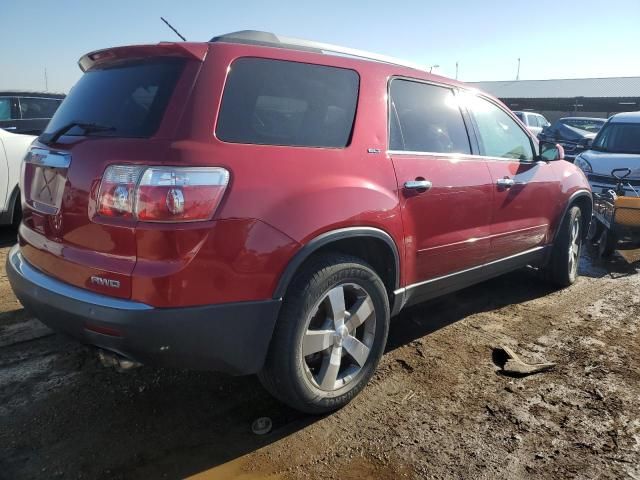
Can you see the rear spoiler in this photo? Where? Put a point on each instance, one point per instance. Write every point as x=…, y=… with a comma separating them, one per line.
x=195, y=51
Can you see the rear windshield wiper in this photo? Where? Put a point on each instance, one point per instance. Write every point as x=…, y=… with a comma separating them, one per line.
x=86, y=126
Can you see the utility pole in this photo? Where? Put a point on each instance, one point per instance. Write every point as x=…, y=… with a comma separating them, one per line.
x=456, y=70
x=518, y=74
x=46, y=80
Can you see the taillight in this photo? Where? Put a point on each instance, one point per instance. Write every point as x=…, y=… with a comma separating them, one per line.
x=162, y=194
x=117, y=190
x=167, y=194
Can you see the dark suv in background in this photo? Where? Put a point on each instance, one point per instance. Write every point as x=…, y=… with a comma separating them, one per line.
x=27, y=112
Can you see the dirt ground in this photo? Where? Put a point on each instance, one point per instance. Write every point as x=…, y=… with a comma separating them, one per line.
x=437, y=408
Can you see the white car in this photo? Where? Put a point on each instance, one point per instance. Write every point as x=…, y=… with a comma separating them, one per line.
x=617, y=146
x=533, y=121
x=13, y=148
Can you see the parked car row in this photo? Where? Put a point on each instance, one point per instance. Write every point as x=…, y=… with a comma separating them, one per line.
x=573, y=133
x=533, y=121
x=258, y=204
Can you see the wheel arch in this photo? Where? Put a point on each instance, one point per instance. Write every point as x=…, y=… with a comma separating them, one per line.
x=584, y=200
x=371, y=244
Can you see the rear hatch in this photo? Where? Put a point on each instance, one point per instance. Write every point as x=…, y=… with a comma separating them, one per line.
x=124, y=110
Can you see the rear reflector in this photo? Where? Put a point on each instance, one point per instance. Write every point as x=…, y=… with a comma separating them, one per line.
x=162, y=194
x=112, y=332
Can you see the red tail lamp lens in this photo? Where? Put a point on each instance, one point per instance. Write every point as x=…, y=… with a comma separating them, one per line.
x=169, y=194
x=162, y=194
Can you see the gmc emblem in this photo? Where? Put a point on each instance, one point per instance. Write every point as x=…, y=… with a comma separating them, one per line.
x=105, y=282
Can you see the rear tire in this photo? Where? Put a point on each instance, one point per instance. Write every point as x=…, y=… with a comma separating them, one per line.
x=330, y=335
x=562, y=269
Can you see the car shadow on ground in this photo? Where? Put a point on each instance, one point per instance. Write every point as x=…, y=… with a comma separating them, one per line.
x=513, y=288
x=81, y=419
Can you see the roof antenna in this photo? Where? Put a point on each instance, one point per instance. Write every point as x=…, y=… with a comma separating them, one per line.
x=171, y=27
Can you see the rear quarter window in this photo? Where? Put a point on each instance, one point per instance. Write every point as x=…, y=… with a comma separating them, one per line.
x=276, y=102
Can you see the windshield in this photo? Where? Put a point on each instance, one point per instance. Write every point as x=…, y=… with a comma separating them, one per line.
x=130, y=98
x=619, y=138
x=592, y=125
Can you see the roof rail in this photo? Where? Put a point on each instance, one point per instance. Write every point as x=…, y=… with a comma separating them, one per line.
x=267, y=39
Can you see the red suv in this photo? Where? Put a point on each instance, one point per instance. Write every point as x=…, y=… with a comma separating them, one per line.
x=256, y=204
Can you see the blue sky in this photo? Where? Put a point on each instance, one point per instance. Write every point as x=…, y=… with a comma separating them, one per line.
x=554, y=38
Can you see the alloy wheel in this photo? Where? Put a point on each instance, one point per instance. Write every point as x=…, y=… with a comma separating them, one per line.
x=339, y=337
x=574, y=247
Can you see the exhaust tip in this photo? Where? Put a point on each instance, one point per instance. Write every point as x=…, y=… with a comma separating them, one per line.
x=120, y=363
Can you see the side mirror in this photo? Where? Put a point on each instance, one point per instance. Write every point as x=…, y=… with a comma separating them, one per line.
x=550, y=152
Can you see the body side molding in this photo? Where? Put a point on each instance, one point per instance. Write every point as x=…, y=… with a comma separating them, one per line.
x=435, y=287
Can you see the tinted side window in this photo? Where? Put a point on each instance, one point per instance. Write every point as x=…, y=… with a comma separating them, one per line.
x=533, y=120
x=425, y=118
x=500, y=136
x=32, y=107
x=274, y=102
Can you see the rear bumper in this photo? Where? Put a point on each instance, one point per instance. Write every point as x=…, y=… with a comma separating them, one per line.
x=231, y=338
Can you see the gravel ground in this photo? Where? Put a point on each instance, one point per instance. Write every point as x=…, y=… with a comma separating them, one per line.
x=438, y=406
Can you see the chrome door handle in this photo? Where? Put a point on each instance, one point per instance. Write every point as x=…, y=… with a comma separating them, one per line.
x=505, y=182
x=418, y=185
x=10, y=128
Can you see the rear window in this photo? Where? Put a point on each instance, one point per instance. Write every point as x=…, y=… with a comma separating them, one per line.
x=589, y=125
x=129, y=98
x=275, y=102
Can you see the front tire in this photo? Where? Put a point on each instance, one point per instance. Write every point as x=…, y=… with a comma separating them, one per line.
x=562, y=269
x=595, y=230
x=330, y=335
x=607, y=243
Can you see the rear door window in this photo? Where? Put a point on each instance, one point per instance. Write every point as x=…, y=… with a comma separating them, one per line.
x=425, y=118
x=533, y=120
x=275, y=102
x=128, y=98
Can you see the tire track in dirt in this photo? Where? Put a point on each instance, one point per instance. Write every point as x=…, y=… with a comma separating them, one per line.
x=438, y=406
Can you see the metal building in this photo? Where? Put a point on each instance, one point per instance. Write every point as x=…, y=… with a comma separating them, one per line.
x=595, y=97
